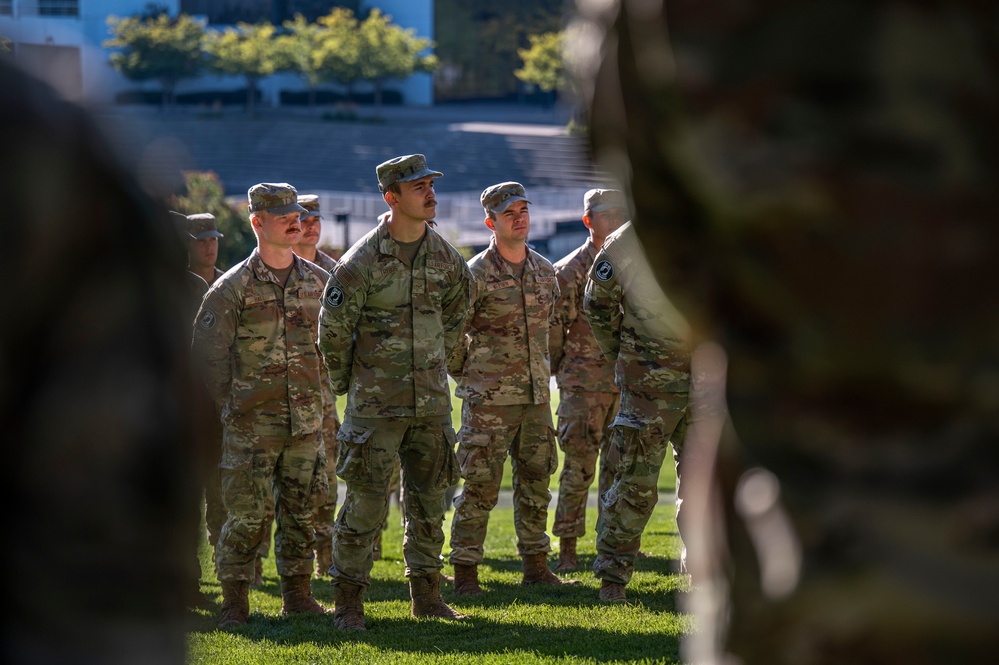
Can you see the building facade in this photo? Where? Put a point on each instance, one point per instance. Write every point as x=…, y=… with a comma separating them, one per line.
x=62, y=41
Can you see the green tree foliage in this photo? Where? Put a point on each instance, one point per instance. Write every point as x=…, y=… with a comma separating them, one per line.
x=339, y=50
x=204, y=193
x=391, y=51
x=543, y=62
x=157, y=48
x=297, y=48
x=247, y=50
x=470, y=69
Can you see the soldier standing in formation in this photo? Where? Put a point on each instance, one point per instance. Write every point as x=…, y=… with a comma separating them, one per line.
x=392, y=314
x=640, y=330
x=588, y=396
x=255, y=332
x=308, y=249
x=503, y=373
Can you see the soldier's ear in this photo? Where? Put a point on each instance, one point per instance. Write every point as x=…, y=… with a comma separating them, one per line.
x=490, y=224
x=587, y=222
x=390, y=198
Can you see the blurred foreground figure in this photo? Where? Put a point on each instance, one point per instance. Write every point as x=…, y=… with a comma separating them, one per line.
x=820, y=181
x=98, y=476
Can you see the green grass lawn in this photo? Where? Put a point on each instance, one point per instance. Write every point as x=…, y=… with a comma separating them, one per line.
x=508, y=624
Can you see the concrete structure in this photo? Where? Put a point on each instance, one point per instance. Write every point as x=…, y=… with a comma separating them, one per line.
x=62, y=41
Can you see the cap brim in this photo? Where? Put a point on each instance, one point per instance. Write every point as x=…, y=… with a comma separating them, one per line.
x=421, y=174
x=310, y=213
x=208, y=234
x=284, y=210
x=607, y=206
x=509, y=202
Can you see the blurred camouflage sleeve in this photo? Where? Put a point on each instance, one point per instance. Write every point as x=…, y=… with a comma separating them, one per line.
x=214, y=336
x=602, y=306
x=343, y=300
x=459, y=354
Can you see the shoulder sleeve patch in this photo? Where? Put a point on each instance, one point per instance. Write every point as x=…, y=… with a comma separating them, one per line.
x=603, y=270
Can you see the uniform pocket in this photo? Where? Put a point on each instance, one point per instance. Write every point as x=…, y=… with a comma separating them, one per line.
x=450, y=470
x=473, y=457
x=352, y=456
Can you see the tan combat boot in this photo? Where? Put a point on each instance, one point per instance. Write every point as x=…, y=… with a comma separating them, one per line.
x=567, y=553
x=296, y=596
x=466, y=580
x=349, y=611
x=536, y=571
x=427, y=601
x=324, y=557
x=235, y=603
x=612, y=592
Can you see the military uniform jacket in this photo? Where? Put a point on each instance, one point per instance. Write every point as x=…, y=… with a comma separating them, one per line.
x=495, y=365
x=386, y=329
x=633, y=322
x=577, y=361
x=257, y=340
x=325, y=261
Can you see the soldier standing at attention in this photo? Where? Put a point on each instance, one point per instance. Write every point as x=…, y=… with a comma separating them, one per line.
x=255, y=332
x=308, y=249
x=392, y=314
x=503, y=374
x=588, y=396
x=201, y=236
x=639, y=329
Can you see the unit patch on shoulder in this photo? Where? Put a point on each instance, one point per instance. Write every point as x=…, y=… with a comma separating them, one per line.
x=207, y=320
x=334, y=297
x=603, y=271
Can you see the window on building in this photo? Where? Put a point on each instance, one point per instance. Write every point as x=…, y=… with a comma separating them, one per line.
x=58, y=7
x=6, y=7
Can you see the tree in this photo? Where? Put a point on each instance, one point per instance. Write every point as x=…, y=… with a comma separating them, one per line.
x=157, y=48
x=328, y=51
x=297, y=48
x=390, y=51
x=248, y=50
x=544, y=65
x=205, y=194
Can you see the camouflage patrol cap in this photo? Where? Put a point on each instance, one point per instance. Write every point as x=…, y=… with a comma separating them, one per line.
x=311, y=203
x=198, y=226
x=598, y=200
x=403, y=169
x=498, y=198
x=277, y=198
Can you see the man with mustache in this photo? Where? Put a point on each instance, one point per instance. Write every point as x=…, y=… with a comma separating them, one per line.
x=255, y=332
x=392, y=314
x=503, y=372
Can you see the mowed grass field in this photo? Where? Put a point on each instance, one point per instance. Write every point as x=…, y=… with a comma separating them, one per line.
x=510, y=623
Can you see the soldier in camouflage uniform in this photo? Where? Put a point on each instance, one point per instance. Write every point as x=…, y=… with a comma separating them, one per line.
x=308, y=249
x=201, y=236
x=392, y=313
x=255, y=332
x=503, y=373
x=588, y=396
x=640, y=330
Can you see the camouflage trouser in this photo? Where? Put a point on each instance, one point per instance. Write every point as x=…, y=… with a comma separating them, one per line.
x=256, y=468
x=368, y=449
x=583, y=422
x=628, y=504
x=488, y=434
x=325, y=512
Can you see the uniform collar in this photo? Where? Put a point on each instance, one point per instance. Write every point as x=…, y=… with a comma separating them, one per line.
x=502, y=265
x=264, y=274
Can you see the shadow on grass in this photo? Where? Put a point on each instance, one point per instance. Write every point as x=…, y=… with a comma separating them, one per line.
x=475, y=636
